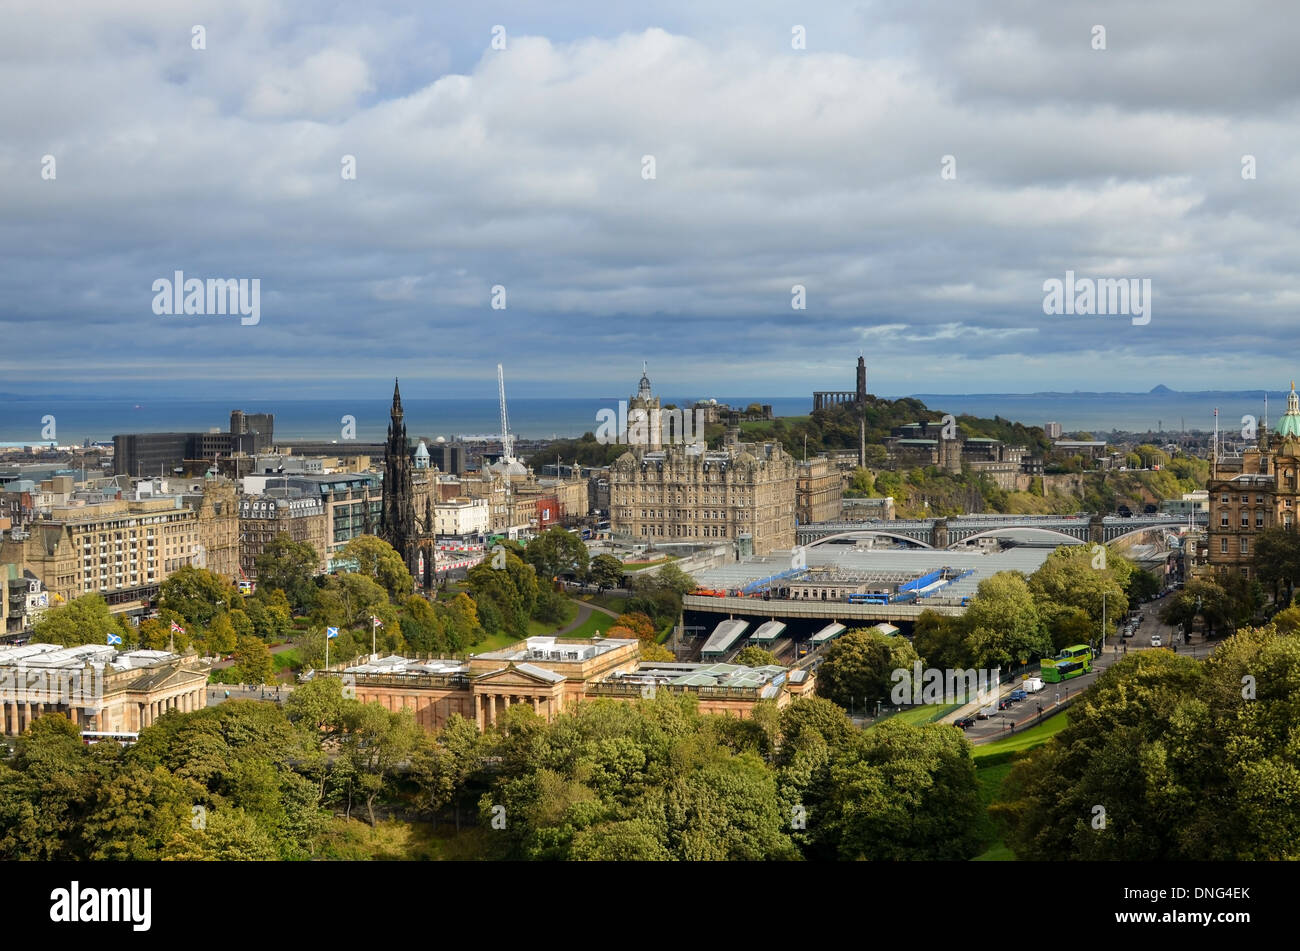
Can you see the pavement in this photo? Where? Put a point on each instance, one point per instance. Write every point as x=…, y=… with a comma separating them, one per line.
x=276, y=694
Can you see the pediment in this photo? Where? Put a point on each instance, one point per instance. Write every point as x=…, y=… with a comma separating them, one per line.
x=511, y=677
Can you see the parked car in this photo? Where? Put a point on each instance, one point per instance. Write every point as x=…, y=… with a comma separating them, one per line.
x=986, y=712
x=1032, y=685
x=965, y=723
x=1005, y=703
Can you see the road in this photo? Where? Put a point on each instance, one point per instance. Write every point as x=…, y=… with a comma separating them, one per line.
x=1053, y=695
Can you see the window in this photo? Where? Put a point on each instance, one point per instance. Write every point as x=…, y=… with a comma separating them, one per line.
x=1223, y=520
x=1259, y=519
x=1245, y=520
x=1223, y=546
x=1245, y=546
x=1223, y=499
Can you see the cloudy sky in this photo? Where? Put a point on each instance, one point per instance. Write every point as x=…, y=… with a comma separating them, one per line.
x=524, y=167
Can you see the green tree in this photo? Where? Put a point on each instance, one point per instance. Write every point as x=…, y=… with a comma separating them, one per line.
x=754, y=656
x=381, y=563
x=1005, y=627
x=197, y=595
x=253, y=661
x=940, y=640
x=220, y=637
x=291, y=567
x=556, y=552
x=375, y=742
x=903, y=792
x=859, y=667
x=83, y=620
x=606, y=572
x=1276, y=561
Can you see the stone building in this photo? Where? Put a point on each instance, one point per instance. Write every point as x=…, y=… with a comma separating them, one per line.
x=743, y=492
x=819, y=491
x=262, y=519
x=1252, y=491
x=98, y=688
x=551, y=674
x=122, y=549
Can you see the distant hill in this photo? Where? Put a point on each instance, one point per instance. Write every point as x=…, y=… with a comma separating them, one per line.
x=1160, y=390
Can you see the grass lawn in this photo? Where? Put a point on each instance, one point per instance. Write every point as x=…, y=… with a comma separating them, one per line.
x=993, y=762
x=595, y=622
x=286, y=660
x=493, y=642
x=1023, y=741
x=550, y=627
x=615, y=603
x=924, y=713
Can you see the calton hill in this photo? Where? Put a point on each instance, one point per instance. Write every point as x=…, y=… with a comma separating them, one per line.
x=1149, y=472
x=1192, y=759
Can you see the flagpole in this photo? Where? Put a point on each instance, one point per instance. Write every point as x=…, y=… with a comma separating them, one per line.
x=327, y=648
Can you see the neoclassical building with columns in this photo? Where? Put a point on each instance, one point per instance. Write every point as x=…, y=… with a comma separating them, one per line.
x=98, y=688
x=549, y=674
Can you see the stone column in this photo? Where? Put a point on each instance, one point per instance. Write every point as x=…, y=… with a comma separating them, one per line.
x=492, y=709
x=537, y=702
x=478, y=710
x=27, y=715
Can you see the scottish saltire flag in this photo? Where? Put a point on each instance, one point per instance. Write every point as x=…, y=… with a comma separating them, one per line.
x=114, y=639
x=177, y=629
x=331, y=632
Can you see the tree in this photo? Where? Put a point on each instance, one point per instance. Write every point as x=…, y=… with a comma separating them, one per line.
x=349, y=600
x=423, y=626
x=83, y=620
x=557, y=552
x=220, y=636
x=1191, y=761
x=197, y=595
x=511, y=591
x=606, y=572
x=903, y=792
x=1276, y=560
x=671, y=577
x=375, y=742
x=859, y=667
x=754, y=656
x=550, y=605
x=291, y=567
x=639, y=624
x=941, y=640
x=1005, y=627
x=381, y=563
x=650, y=651
x=253, y=661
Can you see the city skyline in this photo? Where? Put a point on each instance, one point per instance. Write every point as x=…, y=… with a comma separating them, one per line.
x=884, y=160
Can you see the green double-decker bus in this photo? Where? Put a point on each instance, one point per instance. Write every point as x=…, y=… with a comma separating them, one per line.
x=1072, y=662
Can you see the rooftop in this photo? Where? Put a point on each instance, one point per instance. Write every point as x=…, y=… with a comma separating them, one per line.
x=554, y=649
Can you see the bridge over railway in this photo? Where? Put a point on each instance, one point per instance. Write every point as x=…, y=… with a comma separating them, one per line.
x=961, y=530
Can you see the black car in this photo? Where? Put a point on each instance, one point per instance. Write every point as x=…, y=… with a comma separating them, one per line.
x=964, y=723
x=1005, y=703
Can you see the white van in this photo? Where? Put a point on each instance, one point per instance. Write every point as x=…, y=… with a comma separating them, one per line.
x=1032, y=685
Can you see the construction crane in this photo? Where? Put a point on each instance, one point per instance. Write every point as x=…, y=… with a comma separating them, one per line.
x=507, y=441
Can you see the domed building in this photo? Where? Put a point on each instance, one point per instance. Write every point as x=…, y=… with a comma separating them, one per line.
x=1254, y=490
